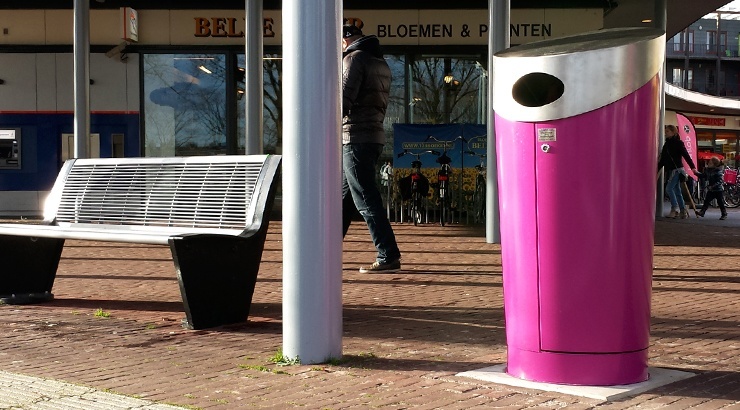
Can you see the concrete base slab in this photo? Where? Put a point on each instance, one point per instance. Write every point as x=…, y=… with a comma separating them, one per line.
x=658, y=377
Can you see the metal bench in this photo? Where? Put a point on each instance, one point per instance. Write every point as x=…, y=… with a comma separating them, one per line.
x=212, y=211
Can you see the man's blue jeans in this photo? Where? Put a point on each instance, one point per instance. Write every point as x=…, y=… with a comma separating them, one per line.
x=360, y=191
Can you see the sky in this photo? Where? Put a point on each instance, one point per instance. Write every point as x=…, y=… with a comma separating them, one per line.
x=732, y=6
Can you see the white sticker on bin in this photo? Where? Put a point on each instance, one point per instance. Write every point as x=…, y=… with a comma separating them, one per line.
x=546, y=134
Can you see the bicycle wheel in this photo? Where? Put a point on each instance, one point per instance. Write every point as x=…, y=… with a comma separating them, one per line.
x=732, y=196
x=416, y=208
x=442, y=204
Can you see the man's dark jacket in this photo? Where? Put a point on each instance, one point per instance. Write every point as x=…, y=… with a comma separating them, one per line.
x=366, y=82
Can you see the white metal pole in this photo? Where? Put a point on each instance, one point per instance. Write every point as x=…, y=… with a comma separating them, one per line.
x=81, y=77
x=499, y=17
x=253, y=87
x=312, y=205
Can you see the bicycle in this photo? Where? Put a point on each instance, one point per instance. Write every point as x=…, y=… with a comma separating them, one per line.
x=479, y=192
x=415, y=186
x=731, y=189
x=444, y=193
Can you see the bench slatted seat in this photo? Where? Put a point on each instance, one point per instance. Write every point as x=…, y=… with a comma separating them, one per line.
x=212, y=211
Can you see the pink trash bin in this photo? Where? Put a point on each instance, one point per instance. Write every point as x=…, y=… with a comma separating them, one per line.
x=576, y=122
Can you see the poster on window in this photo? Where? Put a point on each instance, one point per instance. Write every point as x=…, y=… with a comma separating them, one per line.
x=464, y=145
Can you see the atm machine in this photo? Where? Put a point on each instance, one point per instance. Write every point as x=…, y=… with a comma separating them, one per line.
x=10, y=148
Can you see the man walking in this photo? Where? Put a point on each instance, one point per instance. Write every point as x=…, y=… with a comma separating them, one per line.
x=366, y=80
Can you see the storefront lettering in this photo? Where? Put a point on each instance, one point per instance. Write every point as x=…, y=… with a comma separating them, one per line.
x=530, y=30
x=708, y=121
x=415, y=30
x=523, y=30
x=226, y=27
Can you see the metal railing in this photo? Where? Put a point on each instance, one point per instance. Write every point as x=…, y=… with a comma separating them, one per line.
x=701, y=50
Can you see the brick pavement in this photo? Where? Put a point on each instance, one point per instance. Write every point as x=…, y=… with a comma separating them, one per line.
x=406, y=334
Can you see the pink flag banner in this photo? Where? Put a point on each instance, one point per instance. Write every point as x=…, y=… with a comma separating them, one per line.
x=688, y=135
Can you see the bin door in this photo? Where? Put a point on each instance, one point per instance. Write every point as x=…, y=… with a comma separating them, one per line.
x=594, y=175
x=517, y=202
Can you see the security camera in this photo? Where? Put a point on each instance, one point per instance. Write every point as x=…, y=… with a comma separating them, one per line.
x=117, y=51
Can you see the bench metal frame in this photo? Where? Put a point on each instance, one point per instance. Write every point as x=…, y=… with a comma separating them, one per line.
x=212, y=211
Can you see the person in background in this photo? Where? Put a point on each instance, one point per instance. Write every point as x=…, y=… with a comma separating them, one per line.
x=385, y=173
x=366, y=82
x=714, y=173
x=670, y=160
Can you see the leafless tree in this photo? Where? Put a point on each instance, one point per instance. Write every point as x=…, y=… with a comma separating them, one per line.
x=273, y=92
x=437, y=99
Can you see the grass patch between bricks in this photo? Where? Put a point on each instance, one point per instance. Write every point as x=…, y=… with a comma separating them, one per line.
x=281, y=360
x=101, y=313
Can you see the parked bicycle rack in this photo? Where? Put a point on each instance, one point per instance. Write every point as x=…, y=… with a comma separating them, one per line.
x=477, y=204
x=466, y=207
x=414, y=188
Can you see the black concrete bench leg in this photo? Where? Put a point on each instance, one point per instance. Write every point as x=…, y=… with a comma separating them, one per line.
x=217, y=277
x=28, y=267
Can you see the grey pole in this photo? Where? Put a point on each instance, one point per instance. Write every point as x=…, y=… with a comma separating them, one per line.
x=253, y=86
x=499, y=17
x=81, y=76
x=661, y=17
x=312, y=169
x=717, y=90
x=687, y=56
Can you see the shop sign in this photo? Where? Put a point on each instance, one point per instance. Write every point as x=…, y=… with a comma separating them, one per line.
x=707, y=121
x=130, y=24
x=228, y=27
x=400, y=27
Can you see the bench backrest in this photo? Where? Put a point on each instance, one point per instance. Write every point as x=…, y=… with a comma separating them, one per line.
x=222, y=192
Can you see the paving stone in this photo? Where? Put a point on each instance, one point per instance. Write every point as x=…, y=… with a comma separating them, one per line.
x=406, y=334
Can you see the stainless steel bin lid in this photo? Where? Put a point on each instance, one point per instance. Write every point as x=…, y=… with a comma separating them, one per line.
x=567, y=76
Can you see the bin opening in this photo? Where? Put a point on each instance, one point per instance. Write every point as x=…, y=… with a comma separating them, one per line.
x=537, y=89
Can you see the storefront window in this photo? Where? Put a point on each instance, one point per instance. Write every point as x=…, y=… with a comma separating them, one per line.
x=273, y=103
x=184, y=104
x=704, y=140
x=447, y=90
x=272, y=126
x=722, y=143
x=726, y=144
x=396, y=111
x=185, y=100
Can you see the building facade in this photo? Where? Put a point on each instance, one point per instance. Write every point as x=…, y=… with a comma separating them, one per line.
x=176, y=87
x=704, y=58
